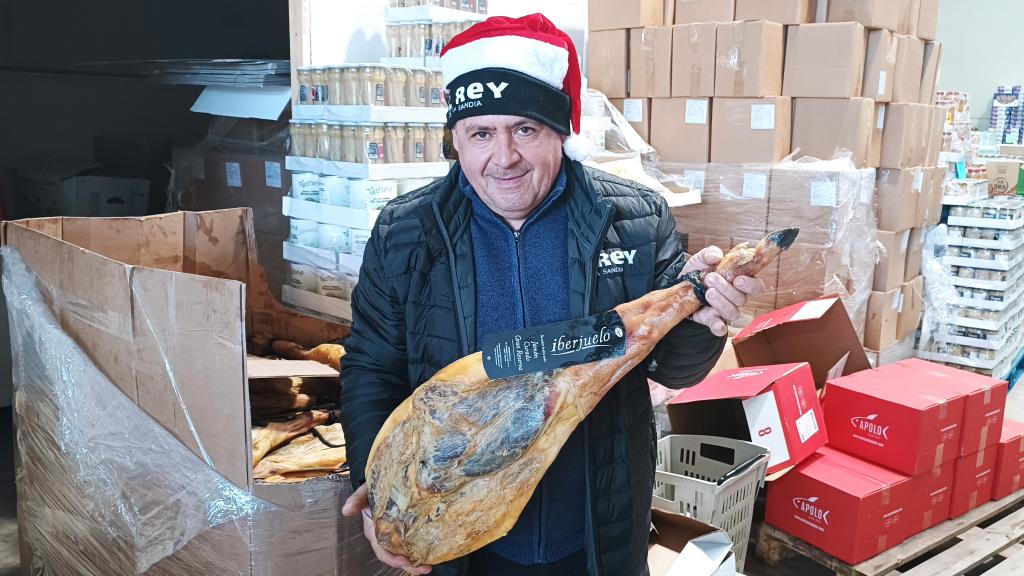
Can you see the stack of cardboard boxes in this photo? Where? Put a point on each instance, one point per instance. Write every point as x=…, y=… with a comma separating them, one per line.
x=728, y=89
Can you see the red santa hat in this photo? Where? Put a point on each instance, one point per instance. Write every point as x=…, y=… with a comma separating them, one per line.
x=519, y=67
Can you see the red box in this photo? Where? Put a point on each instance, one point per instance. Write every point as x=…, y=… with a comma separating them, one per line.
x=974, y=481
x=986, y=401
x=772, y=406
x=1009, y=460
x=849, y=508
x=933, y=498
x=882, y=420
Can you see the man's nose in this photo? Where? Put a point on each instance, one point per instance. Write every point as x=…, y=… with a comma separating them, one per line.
x=506, y=152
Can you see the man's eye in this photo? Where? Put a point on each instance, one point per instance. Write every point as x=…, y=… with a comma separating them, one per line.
x=480, y=135
x=526, y=130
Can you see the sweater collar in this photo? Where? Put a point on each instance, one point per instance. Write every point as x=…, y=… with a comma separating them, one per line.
x=481, y=209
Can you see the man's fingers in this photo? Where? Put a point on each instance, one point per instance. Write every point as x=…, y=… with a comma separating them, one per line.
x=723, y=287
x=356, y=502
x=703, y=260
x=751, y=286
x=708, y=317
x=393, y=560
x=725, y=309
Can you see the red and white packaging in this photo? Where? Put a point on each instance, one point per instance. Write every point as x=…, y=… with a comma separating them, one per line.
x=974, y=481
x=779, y=407
x=933, y=498
x=877, y=417
x=985, y=405
x=849, y=508
x=1009, y=460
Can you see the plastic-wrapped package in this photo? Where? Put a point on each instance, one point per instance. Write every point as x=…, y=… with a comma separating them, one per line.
x=131, y=404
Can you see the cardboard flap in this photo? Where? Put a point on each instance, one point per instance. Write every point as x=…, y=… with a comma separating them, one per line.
x=811, y=310
x=265, y=103
x=740, y=384
x=698, y=549
x=259, y=368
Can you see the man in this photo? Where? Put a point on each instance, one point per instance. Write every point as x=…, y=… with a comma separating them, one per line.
x=518, y=235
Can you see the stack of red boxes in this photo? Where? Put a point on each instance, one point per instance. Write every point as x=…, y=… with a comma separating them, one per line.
x=911, y=445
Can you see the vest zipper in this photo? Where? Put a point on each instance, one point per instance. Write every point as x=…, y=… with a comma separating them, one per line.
x=516, y=234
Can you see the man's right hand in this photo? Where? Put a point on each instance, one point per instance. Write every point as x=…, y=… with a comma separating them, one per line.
x=358, y=504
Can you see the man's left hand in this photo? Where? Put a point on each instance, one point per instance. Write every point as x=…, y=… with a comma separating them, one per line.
x=724, y=299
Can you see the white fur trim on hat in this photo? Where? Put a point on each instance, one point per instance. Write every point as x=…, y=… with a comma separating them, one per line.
x=578, y=147
x=545, y=62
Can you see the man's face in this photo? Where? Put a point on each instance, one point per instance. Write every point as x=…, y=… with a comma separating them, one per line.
x=510, y=161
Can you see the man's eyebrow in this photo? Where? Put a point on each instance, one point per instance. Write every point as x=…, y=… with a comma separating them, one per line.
x=478, y=128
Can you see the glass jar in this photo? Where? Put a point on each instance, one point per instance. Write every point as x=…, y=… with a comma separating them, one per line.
x=337, y=137
x=394, y=36
x=374, y=84
x=418, y=39
x=318, y=79
x=467, y=5
x=415, y=137
x=972, y=233
x=958, y=211
x=350, y=86
x=481, y=6
x=417, y=87
x=335, y=85
x=304, y=78
x=436, y=84
x=435, y=32
x=355, y=143
x=434, y=146
x=397, y=80
x=394, y=143
x=296, y=138
x=323, y=140
x=374, y=152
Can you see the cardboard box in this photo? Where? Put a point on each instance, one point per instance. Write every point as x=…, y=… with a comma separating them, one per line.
x=681, y=129
x=880, y=65
x=934, y=134
x=81, y=190
x=616, y=15
x=810, y=271
x=798, y=334
x=870, y=13
x=608, y=62
x=930, y=72
x=693, y=59
x=787, y=12
x=1009, y=460
x=817, y=199
x=911, y=308
x=650, y=62
x=892, y=260
x=750, y=130
x=875, y=416
x=883, y=315
x=986, y=399
x=974, y=481
x=932, y=494
x=909, y=17
x=681, y=546
x=775, y=407
x=1014, y=150
x=1003, y=176
x=928, y=20
x=915, y=254
x=825, y=60
x=826, y=127
x=637, y=112
x=739, y=195
x=850, y=509
x=897, y=197
x=930, y=207
x=902, y=146
x=909, y=69
x=698, y=11
x=749, y=58
x=691, y=219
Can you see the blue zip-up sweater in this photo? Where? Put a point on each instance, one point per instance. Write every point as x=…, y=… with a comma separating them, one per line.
x=522, y=280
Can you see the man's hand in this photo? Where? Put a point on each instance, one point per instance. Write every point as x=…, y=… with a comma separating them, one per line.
x=724, y=299
x=358, y=504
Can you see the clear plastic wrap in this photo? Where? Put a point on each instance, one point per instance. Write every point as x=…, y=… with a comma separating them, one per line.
x=131, y=404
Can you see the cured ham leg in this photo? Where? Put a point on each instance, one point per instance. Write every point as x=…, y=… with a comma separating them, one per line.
x=264, y=405
x=274, y=434
x=455, y=464
x=305, y=454
x=327, y=354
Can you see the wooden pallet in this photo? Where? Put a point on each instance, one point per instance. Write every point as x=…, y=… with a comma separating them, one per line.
x=968, y=546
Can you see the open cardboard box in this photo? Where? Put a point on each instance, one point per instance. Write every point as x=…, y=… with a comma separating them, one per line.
x=681, y=546
x=163, y=306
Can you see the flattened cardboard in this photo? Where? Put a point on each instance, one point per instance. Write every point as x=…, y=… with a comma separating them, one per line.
x=880, y=65
x=698, y=11
x=751, y=130
x=650, y=62
x=616, y=15
x=693, y=60
x=681, y=129
x=750, y=59
x=825, y=60
x=608, y=62
x=258, y=368
x=826, y=127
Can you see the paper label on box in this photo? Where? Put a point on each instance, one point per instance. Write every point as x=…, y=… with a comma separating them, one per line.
x=812, y=310
x=273, y=172
x=897, y=302
x=905, y=242
x=881, y=117
x=766, y=426
x=762, y=117
x=633, y=110
x=696, y=179
x=824, y=193
x=755, y=186
x=883, y=79
x=696, y=112
x=234, y=174
x=807, y=426
x=918, y=180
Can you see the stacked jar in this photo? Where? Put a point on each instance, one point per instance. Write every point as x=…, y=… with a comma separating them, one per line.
x=367, y=142
x=370, y=85
x=477, y=6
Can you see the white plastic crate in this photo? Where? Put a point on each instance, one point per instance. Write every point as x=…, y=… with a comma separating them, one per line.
x=714, y=480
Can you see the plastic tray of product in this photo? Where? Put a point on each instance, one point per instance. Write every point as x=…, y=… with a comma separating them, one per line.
x=984, y=279
x=334, y=308
x=416, y=115
x=983, y=258
x=988, y=238
x=991, y=340
x=323, y=259
x=431, y=14
x=988, y=319
x=987, y=299
x=964, y=192
x=367, y=171
x=328, y=214
x=982, y=358
x=1004, y=213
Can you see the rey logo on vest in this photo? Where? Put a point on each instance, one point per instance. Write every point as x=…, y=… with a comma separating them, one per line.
x=614, y=261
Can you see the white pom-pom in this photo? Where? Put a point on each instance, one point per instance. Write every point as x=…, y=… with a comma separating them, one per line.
x=579, y=148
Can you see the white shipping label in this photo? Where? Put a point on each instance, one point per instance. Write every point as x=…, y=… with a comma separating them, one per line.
x=755, y=186
x=696, y=112
x=766, y=427
x=807, y=426
x=273, y=172
x=897, y=302
x=233, y=171
x=812, y=310
x=905, y=242
x=695, y=179
x=824, y=193
x=881, y=117
x=918, y=180
x=762, y=117
x=633, y=110
x=883, y=79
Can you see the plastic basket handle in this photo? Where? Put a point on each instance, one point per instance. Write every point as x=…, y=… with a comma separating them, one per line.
x=739, y=470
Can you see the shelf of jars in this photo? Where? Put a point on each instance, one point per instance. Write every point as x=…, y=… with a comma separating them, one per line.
x=437, y=11
x=370, y=93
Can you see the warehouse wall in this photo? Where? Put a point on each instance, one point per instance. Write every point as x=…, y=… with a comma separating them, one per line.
x=981, y=49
